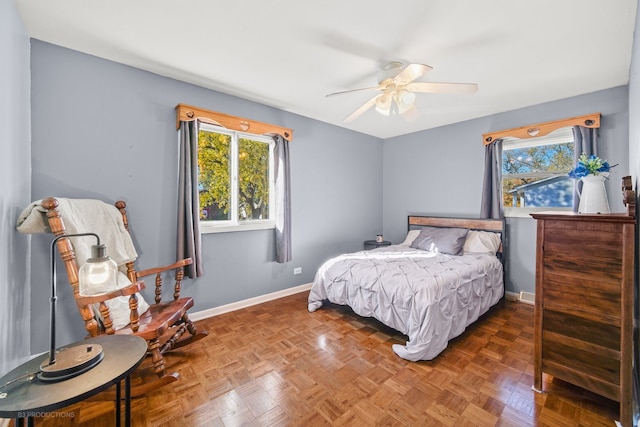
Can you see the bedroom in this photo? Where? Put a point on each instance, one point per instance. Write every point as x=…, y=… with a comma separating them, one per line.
x=378, y=185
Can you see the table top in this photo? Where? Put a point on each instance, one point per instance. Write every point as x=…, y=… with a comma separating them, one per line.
x=375, y=242
x=122, y=355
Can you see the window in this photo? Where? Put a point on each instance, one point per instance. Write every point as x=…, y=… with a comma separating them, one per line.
x=534, y=171
x=235, y=180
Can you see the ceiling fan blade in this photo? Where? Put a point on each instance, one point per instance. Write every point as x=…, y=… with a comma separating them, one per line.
x=353, y=90
x=370, y=103
x=432, y=87
x=411, y=72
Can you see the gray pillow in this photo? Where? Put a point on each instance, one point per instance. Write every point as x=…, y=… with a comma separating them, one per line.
x=444, y=240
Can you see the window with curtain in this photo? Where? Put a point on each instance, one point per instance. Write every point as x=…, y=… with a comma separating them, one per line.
x=235, y=180
x=526, y=168
x=534, y=172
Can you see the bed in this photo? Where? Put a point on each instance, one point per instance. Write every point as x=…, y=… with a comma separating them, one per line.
x=439, y=280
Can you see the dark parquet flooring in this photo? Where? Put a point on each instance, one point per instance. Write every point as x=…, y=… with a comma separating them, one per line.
x=276, y=364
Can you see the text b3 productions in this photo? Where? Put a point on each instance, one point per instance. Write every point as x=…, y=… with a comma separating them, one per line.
x=68, y=414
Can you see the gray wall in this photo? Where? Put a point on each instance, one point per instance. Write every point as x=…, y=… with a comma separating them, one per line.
x=104, y=130
x=15, y=176
x=439, y=171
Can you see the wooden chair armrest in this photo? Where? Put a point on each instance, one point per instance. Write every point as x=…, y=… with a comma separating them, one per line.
x=177, y=266
x=96, y=299
x=156, y=270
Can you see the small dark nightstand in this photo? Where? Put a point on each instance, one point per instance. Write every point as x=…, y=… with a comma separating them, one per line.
x=372, y=244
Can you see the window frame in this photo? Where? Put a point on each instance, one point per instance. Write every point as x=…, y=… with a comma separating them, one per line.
x=555, y=137
x=234, y=224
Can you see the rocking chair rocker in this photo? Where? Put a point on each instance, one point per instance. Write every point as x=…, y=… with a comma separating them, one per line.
x=162, y=325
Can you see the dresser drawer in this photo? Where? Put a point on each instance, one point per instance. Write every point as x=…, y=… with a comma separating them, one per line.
x=592, y=298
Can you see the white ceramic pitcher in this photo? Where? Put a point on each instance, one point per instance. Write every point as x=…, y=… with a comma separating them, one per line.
x=593, y=197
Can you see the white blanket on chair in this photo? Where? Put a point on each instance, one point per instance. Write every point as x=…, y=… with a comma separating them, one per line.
x=84, y=216
x=91, y=216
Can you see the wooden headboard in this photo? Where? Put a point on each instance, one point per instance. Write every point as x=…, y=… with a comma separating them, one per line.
x=494, y=225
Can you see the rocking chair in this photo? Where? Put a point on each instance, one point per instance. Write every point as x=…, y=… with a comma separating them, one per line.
x=162, y=325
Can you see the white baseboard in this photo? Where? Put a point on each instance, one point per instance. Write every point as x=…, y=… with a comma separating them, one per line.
x=524, y=297
x=205, y=314
x=511, y=296
x=211, y=312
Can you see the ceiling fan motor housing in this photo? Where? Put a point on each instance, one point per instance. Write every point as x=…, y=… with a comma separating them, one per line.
x=390, y=70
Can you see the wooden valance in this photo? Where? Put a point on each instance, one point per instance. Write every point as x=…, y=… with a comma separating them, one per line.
x=188, y=113
x=542, y=129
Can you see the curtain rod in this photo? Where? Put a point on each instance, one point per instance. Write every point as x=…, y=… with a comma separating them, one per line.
x=541, y=129
x=188, y=113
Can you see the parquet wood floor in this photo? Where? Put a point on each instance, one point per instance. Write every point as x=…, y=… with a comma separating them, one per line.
x=276, y=364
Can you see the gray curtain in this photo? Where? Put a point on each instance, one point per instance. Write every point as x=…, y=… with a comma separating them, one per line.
x=491, y=206
x=586, y=140
x=189, y=245
x=283, y=200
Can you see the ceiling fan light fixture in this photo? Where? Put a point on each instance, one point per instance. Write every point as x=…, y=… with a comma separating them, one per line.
x=404, y=100
x=383, y=111
x=383, y=104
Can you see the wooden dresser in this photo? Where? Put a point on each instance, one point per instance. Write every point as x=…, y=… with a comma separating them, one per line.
x=584, y=301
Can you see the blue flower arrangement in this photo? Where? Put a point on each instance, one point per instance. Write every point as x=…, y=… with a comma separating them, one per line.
x=592, y=165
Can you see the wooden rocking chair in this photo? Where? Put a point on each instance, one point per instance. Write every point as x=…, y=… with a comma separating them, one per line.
x=162, y=325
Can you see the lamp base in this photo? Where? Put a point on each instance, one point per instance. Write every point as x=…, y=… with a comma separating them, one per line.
x=71, y=361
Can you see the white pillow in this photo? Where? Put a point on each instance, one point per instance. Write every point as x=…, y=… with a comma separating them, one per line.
x=481, y=242
x=411, y=236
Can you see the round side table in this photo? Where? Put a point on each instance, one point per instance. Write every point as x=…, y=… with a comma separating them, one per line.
x=25, y=397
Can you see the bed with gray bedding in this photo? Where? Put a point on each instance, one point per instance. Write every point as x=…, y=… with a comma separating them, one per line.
x=443, y=277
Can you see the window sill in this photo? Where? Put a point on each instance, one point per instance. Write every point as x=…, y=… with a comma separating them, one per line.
x=525, y=212
x=209, y=229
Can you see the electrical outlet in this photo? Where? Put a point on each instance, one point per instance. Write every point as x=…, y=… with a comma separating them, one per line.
x=297, y=270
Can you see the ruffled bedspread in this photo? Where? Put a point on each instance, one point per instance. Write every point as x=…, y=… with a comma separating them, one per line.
x=429, y=297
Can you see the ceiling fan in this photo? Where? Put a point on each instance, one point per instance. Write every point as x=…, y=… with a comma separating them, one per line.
x=398, y=90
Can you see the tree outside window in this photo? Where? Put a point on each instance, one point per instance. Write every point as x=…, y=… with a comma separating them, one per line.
x=235, y=177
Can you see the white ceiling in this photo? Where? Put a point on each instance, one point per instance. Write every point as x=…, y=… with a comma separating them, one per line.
x=289, y=54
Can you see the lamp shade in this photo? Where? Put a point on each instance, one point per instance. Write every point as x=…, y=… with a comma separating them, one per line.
x=383, y=104
x=405, y=100
x=98, y=274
